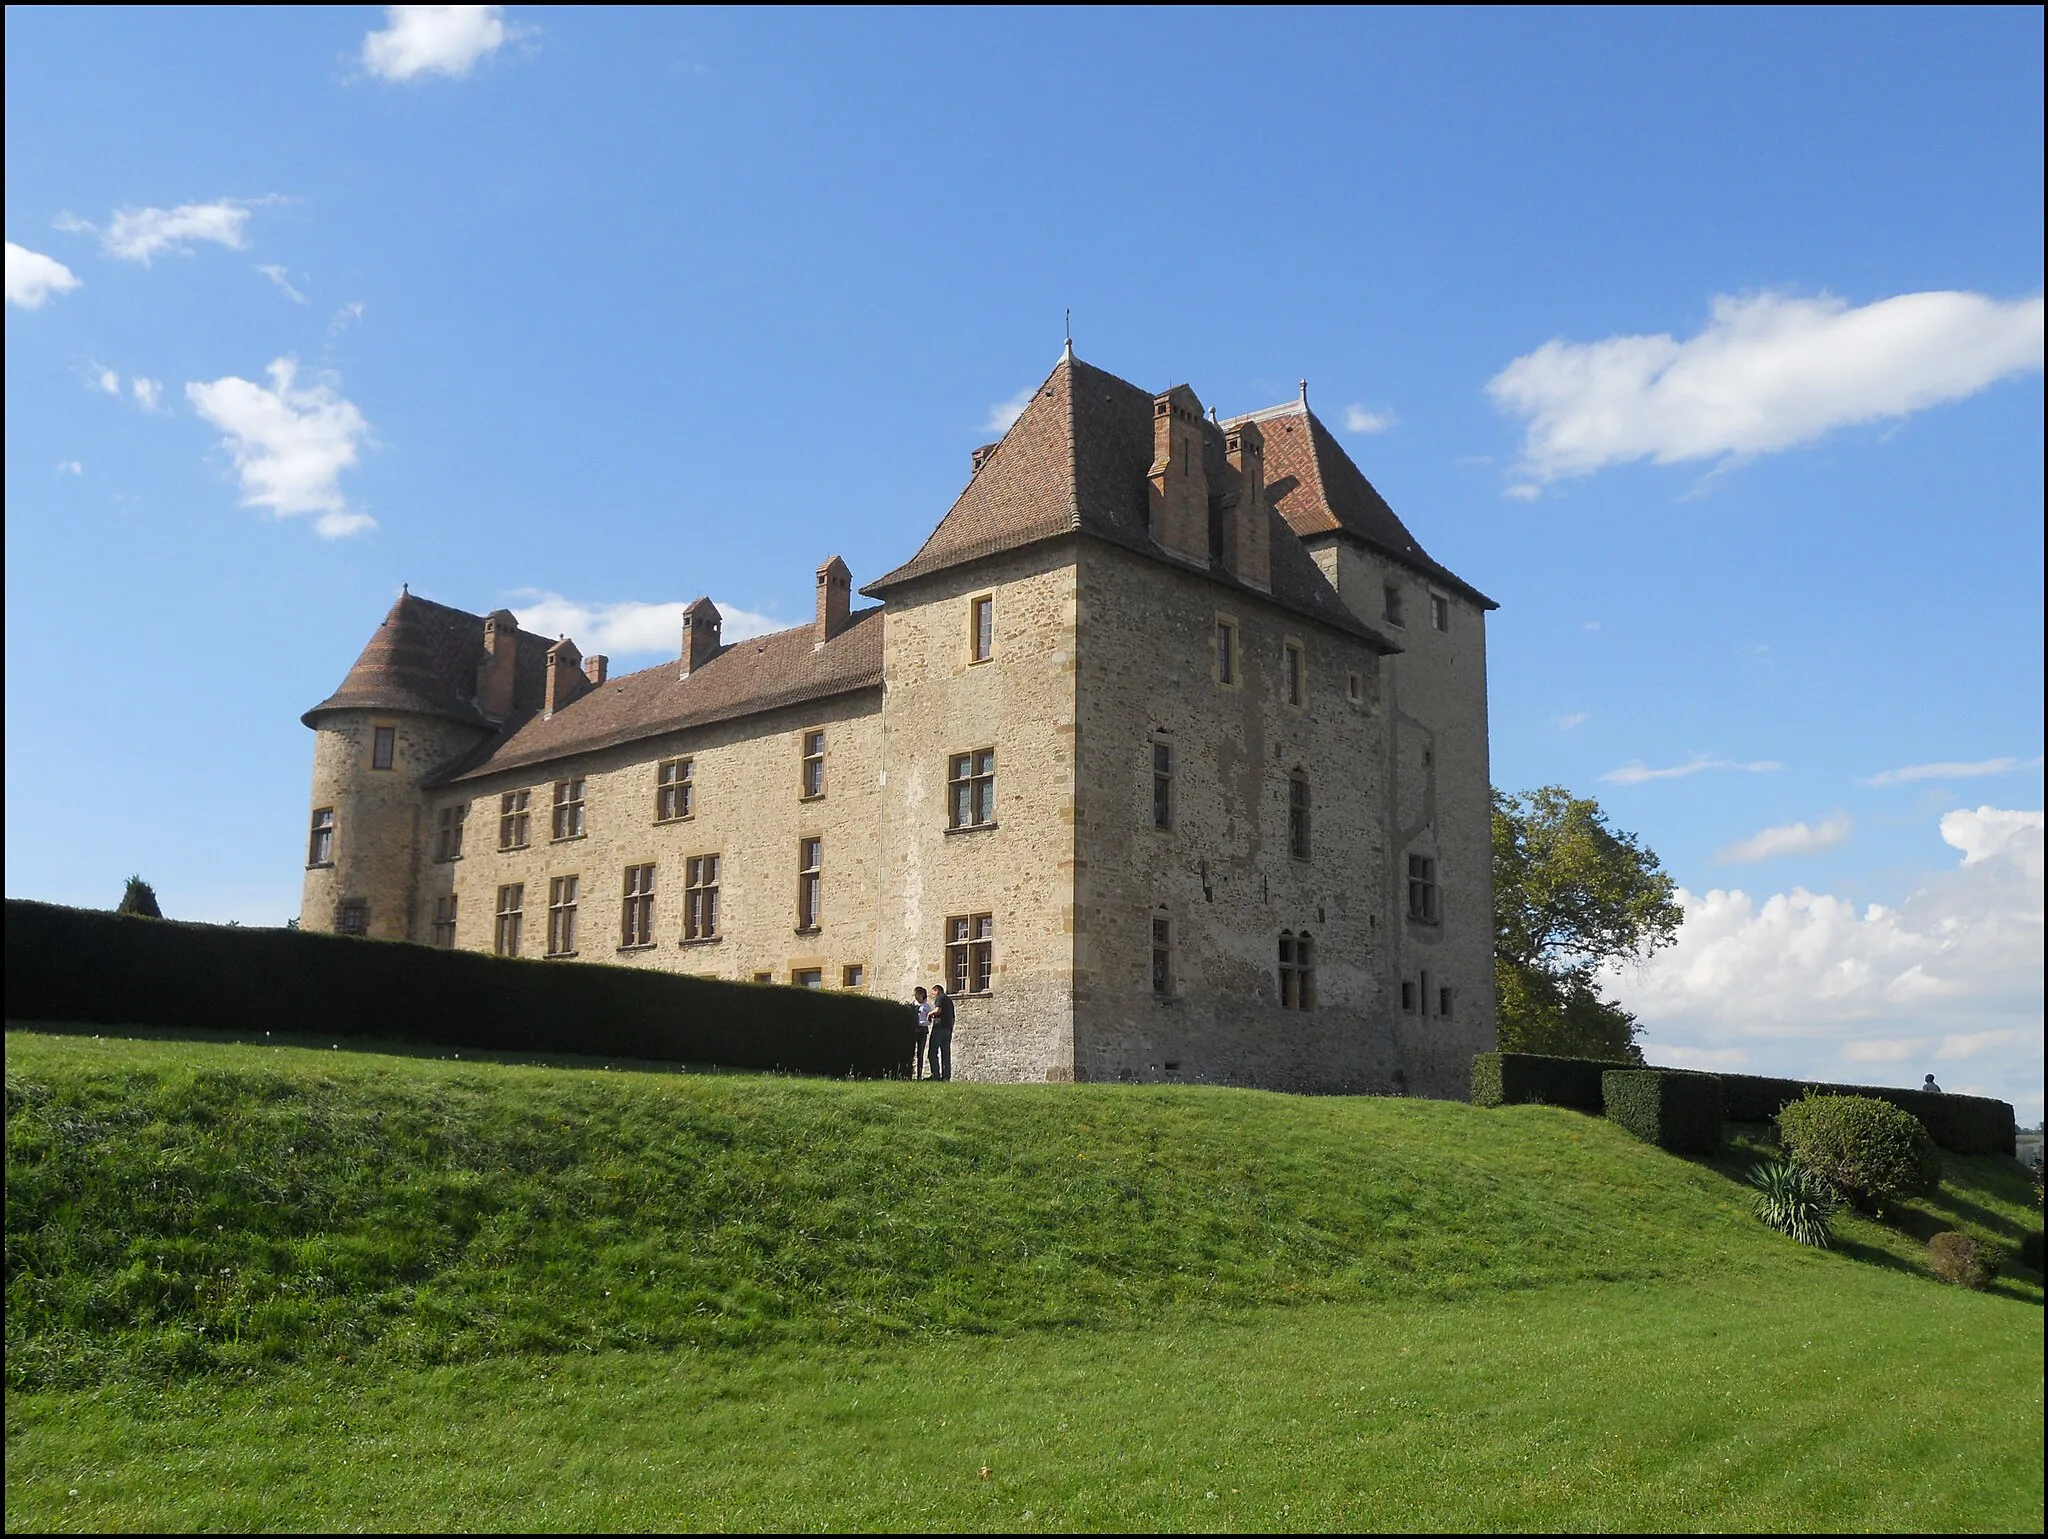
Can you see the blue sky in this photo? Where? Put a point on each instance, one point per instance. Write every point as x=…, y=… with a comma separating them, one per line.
x=1709, y=343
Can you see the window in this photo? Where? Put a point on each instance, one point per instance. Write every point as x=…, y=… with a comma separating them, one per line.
x=981, y=644
x=636, y=911
x=1294, y=674
x=1391, y=595
x=1162, y=956
x=1297, y=815
x=813, y=780
x=512, y=820
x=1408, y=996
x=444, y=923
x=764, y=977
x=448, y=831
x=511, y=907
x=320, y=844
x=383, y=747
x=1439, y=612
x=1353, y=689
x=700, y=898
x=569, y=809
x=562, y=916
x=970, y=952
x=1443, y=1002
x=1226, y=652
x=810, y=882
x=1297, y=971
x=1162, y=785
x=808, y=977
x=673, y=790
x=972, y=780
x=352, y=918
x=852, y=976
x=1422, y=888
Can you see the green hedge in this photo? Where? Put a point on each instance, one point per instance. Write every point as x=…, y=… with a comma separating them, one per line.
x=1964, y=1124
x=1515, y=1079
x=69, y=964
x=1671, y=1108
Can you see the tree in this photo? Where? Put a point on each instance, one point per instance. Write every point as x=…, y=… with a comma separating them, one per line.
x=140, y=898
x=1569, y=894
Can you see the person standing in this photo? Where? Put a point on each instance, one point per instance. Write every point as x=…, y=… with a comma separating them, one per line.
x=924, y=1025
x=1930, y=1087
x=942, y=1033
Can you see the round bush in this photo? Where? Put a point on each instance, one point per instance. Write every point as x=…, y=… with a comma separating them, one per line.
x=1870, y=1151
x=1959, y=1259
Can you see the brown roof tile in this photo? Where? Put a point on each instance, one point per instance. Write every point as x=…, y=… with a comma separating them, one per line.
x=423, y=659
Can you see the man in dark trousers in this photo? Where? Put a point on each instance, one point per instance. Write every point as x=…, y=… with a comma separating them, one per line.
x=923, y=1027
x=942, y=1033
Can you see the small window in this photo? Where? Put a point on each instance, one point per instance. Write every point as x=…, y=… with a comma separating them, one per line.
x=1422, y=894
x=448, y=831
x=1297, y=971
x=808, y=977
x=383, y=747
x=1391, y=593
x=700, y=898
x=320, y=844
x=812, y=781
x=569, y=809
x=1294, y=674
x=562, y=916
x=1162, y=785
x=511, y=914
x=1443, y=1003
x=810, y=882
x=970, y=952
x=444, y=923
x=636, y=908
x=1408, y=996
x=982, y=626
x=971, y=779
x=674, y=790
x=1162, y=956
x=1354, y=689
x=1297, y=816
x=352, y=918
x=1226, y=652
x=852, y=976
x=513, y=820
x=764, y=977
x=1439, y=612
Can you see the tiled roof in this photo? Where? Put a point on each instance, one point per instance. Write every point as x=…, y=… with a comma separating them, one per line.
x=424, y=658
x=785, y=668
x=1075, y=462
x=1315, y=486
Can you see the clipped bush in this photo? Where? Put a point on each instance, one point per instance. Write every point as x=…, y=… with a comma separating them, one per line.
x=1868, y=1150
x=1671, y=1108
x=139, y=898
x=1518, y=1079
x=1967, y=1124
x=1959, y=1259
x=1794, y=1202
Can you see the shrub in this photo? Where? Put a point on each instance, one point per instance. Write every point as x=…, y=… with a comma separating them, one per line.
x=1671, y=1108
x=1959, y=1259
x=1793, y=1202
x=2030, y=1251
x=139, y=898
x=1516, y=1079
x=1868, y=1150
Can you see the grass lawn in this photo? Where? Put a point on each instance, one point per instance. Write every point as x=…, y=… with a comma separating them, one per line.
x=268, y=1286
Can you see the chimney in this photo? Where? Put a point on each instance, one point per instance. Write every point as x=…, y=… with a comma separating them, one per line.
x=981, y=455
x=700, y=635
x=1247, y=528
x=1178, y=511
x=499, y=670
x=835, y=597
x=565, y=676
x=595, y=667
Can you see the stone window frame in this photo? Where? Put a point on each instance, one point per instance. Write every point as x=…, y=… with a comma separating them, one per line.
x=515, y=819
x=1294, y=673
x=445, y=909
x=675, y=789
x=1297, y=970
x=854, y=976
x=1164, y=974
x=701, y=878
x=1226, y=652
x=970, y=942
x=971, y=789
x=764, y=977
x=563, y=893
x=320, y=840
x=383, y=746
x=1439, y=612
x=511, y=919
x=1299, y=809
x=636, y=907
x=1425, y=890
x=352, y=917
x=810, y=884
x=1354, y=689
x=807, y=977
x=567, y=819
x=981, y=628
x=1165, y=783
x=810, y=784
x=450, y=822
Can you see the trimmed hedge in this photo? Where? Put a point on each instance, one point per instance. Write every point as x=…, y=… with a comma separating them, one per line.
x=69, y=964
x=1517, y=1079
x=1963, y=1124
x=1671, y=1108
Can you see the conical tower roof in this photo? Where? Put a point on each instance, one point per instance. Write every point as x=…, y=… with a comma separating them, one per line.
x=423, y=660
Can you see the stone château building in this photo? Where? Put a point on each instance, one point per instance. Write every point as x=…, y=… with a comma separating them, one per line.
x=1167, y=751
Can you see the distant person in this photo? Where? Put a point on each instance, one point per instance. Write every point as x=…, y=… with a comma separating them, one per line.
x=924, y=1026
x=942, y=1033
x=1930, y=1087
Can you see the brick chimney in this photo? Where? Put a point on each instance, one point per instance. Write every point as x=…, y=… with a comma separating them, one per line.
x=595, y=667
x=499, y=670
x=1178, y=512
x=700, y=635
x=981, y=455
x=565, y=677
x=1247, y=528
x=835, y=598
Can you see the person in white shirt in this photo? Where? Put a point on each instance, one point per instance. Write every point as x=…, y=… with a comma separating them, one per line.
x=924, y=1026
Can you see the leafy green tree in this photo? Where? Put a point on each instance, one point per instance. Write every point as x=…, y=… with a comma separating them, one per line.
x=140, y=898
x=1570, y=893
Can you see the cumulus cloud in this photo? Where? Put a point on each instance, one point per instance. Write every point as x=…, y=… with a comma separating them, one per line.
x=32, y=277
x=290, y=444
x=1358, y=420
x=1788, y=839
x=623, y=629
x=1635, y=772
x=1003, y=413
x=1952, y=770
x=148, y=393
x=283, y=280
x=1797, y=982
x=1767, y=372
x=420, y=40
x=143, y=234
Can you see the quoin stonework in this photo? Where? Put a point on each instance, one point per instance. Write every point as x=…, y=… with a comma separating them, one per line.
x=1167, y=753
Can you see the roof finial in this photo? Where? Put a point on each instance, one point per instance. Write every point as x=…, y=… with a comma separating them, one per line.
x=1070, y=334
x=1304, y=395
x=405, y=590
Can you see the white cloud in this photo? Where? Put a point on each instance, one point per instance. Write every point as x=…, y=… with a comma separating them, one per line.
x=148, y=393
x=70, y=468
x=290, y=444
x=1788, y=839
x=346, y=316
x=282, y=279
x=1590, y=625
x=1810, y=984
x=1003, y=413
x=1574, y=719
x=33, y=277
x=1635, y=772
x=1358, y=420
x=630, y=627
x=106, y=379
x=142, y=234
x=1952, y=770
x=435, y=40
x=1523, y=491
x=1767, y=372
